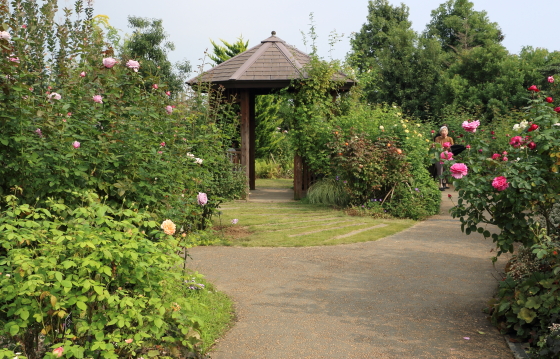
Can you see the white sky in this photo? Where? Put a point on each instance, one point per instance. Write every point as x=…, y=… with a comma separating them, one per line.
x=191, y=24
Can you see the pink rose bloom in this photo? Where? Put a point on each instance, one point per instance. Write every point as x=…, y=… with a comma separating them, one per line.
x=83, y=74
x=162, y=144
x=470, y=126
x=69, y=114
x=5, y=35
x=446, y=144
x=98, y=99
x=458, y=170
x=168, y=93
x=468, y=147
x=76, y=144
x=128, y=341
x=446, y=156
x=109, y=62
x=504, y=153
x=55, y=96
x=24, y=26
x=14, y=59
x=131, y=64
x=500, y=183
x=533, y=88
x=516, y=141
x=505, y=159
x=169, y=110
x=480, y=150
x=155, y=86
x=550, y=79
x=202, y=198
x=58, y=351
x=495, y=156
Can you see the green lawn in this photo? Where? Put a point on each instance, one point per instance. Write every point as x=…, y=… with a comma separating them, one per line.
x=297, y=224
x=274, y=183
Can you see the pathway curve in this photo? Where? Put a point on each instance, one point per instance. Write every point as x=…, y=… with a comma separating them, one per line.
x=416, y=294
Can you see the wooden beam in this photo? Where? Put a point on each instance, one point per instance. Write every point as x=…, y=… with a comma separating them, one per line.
x=252, y=138
x=244, y=99
x=298, y=177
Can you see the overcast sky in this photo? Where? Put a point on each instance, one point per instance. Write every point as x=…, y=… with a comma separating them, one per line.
x=191, y=24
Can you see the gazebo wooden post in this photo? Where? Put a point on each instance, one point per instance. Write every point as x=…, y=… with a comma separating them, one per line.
x=245, y=102
x=252, y=138
x=298, y=177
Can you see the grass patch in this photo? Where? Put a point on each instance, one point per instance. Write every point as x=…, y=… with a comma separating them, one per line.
x=298, y=224
x=215, y=309
x=274, y=183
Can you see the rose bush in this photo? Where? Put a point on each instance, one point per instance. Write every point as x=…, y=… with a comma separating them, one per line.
x=98, y=170
x=513, y=184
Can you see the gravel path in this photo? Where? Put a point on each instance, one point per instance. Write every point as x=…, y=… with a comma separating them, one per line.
x=416, y=294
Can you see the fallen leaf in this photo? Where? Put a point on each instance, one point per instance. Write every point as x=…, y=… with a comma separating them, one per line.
x=481, y=332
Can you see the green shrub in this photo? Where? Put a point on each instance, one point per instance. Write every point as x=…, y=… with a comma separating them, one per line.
x=328, y=191
x=97, y=281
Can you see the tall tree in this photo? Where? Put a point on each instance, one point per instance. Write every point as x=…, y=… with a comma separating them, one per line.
x=224, y=53
x=149, y=44
x=456, y=25
x=393, y=63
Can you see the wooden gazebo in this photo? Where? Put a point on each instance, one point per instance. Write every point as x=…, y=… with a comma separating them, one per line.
x=261, y=70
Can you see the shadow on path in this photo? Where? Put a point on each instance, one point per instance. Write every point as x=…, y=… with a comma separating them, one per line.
x=416, y=294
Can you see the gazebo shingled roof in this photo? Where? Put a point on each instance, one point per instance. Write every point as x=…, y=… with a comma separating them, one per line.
x=263, y=69
x=272, y=64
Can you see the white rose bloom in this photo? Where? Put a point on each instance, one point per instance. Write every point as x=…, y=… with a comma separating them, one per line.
x=5, y=35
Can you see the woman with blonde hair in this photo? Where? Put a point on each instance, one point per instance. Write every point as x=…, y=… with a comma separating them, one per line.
x=443, y=139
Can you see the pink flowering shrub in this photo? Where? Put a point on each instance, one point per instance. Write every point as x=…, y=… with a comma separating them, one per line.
x=76, y=122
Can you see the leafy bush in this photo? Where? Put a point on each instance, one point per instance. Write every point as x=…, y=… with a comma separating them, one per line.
x=372, y=149
x=94, y=280
x=514, y=185
x=85, y=122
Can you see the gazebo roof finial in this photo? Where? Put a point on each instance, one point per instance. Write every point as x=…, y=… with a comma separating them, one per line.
x=273, y=33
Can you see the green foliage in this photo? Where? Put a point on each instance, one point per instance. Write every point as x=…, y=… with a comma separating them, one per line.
x=328, y=191
x=88, y=279
x=458, y=64
x=523, y=212
x=149, y=45
x=527, y=301
x=372, y=149
x=532, y=176
x=394, y=64
x=133, y=145
x=229, y=50
x=456, y=25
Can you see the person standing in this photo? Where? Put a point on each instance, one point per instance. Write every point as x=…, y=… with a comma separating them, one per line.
x=446, y=142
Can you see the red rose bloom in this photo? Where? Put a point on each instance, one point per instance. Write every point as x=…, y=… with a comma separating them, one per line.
x=548, y=99
x=532, y=145
x=533, y=127
x=516, y=141
x=533, y=88
x=557, y=109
